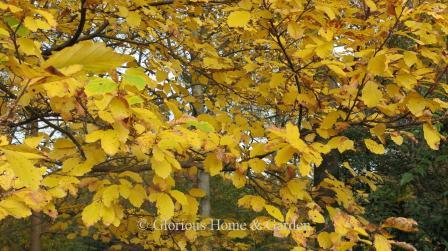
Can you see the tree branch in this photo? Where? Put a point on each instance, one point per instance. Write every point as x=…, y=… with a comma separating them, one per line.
x=75, y=36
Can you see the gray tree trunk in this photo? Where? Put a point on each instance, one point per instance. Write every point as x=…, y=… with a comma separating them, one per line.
x=203, y=177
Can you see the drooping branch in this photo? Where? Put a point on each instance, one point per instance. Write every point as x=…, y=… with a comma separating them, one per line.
x=76, y=35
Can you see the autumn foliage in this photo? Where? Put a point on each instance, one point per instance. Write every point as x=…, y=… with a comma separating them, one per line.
x=109, y=111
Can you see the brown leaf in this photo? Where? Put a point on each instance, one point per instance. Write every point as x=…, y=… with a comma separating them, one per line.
x=401, y=223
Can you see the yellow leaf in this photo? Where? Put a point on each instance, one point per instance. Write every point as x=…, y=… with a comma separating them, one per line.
x=3, y=140
x=324, y=240
x=110, y=194
x=341, y=143
x=371, y=95
x=277, y=79
x=33, y=142
x=409, y=58
x=125, y=189
x=257, y=165
x=371, y=5
x=324, y=49
x=329, y=120
x=107, y=214
x=431, y=135
x=397, y=139
x=161, y=167
x=238, y=179
x=27, y=46
x=94, y=57
x=174, y=108
x=304, y=168
x=294, y=30
x=316, y=216
x=406, y=80
x=416, y=104
x=212, y=63
x=137, y=195
x=274, y=212
x=134, y=19
x=374, y=147
x=197, y=192
x=134, y=176
x=15, y=208
x=283, y=155
x=212, y=164
x=327, y=10
x=238, y=18
x=378, y=131
x=109, y=142
x=378, y=65
x=119, y=109
x=24, y=169
x=165, y=206
x=10, y=7
x=48, y=16
x=297, y=188
x=257, y=203
x=381, y=243
x=237, y=234
x=179, y=196
x=35, y=24
x=337, y=70
x=91, y=214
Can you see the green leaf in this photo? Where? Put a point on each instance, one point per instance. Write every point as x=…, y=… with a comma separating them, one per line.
x=14, y=24
x=406, y=178
x=100, y=86
x=132, y=100
x=201, y=125
x=136, y=81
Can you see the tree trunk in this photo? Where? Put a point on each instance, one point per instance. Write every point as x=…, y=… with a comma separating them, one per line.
x=203, y=177
x=36, y=231
x=36, y=217
x=204, y=184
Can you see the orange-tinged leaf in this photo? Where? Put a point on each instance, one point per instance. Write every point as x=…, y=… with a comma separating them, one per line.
x=401, y=223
